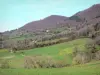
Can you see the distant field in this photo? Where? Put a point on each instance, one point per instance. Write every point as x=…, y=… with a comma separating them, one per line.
x=58, y=52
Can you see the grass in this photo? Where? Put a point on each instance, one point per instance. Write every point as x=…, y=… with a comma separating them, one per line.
x=87, y=69
x=55, y=51
x=58, y=52
x=4, y=53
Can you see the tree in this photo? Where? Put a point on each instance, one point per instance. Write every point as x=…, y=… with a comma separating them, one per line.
x=81, y=58
x=97, y=55
x=1, y=40
x=97, y=40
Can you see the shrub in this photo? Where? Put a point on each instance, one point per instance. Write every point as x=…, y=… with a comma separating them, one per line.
x=28, y=63
x=90, y=46
x=97, y=40
x=75, y=51
x=97, y=55
x=4, y=63
x=84, y=31
x=38, y=62
x=60, y=64
x=81, y=58
x=41, y=62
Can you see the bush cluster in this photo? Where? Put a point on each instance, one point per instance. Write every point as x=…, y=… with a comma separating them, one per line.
x=91, y=53
x=42, y=62
x=81, y=58
x=4, y=64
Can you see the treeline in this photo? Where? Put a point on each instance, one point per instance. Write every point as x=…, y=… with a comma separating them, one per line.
x=43, y=41
x=29, y=44
x=1, y=40
x=92, y=52
x=43, y=62
x=90, y=31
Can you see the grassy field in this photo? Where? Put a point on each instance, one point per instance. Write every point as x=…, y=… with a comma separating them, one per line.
x=87, y=69
x=59, y=52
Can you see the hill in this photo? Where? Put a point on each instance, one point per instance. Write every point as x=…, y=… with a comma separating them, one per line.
x=55, y=27
x=89, y=16
x=46, y=23
x=86, y=17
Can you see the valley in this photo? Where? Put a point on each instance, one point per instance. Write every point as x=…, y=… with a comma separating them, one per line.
x=54, y=45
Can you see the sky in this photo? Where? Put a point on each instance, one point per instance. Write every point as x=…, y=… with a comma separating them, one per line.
x=16, y=13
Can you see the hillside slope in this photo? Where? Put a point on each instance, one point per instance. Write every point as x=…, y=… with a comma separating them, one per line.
x=82, y=18
x=46, y=23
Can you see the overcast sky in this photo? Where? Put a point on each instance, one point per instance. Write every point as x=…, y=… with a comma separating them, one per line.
x=16, y=13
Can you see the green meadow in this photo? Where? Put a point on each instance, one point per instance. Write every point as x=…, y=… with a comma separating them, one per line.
x=87, y=69
x=60, y=51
